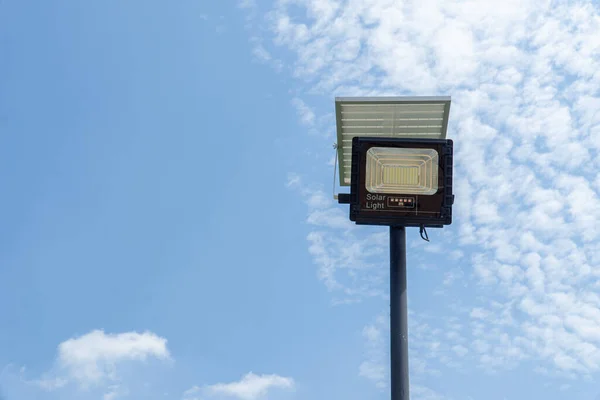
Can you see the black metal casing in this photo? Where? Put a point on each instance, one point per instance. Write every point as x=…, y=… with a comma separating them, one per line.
x=430, y=211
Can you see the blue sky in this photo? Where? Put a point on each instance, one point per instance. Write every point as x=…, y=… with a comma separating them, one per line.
x=167, y=229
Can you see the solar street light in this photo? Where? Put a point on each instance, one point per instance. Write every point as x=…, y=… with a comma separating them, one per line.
x=396, y=159
x=394, y=155
x=404, y=182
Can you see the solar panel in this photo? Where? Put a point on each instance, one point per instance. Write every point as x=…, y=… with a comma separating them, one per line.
x=399, y=117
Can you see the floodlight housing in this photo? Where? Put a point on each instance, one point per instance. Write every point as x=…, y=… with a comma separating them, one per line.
x=395, y=117
x=401, y=182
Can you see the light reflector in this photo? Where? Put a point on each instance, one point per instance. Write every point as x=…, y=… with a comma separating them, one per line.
x=402, y=171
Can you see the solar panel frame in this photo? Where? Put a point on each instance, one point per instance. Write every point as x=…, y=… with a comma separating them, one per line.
x=421, y=117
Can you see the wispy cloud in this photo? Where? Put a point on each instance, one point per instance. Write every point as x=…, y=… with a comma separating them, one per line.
x=350, y=265
x=523, y=76
x=250, y=387
x=113, y=392
x=375, y=367
x=263, y=55
x=305, y=113
x=247, y=4
x=419, y=392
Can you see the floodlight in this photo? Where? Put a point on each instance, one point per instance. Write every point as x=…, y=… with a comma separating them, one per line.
x=404, y=182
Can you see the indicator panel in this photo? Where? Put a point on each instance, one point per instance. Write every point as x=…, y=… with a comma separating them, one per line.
x=400, y=202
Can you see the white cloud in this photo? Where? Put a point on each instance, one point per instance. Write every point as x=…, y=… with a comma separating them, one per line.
x=460, y=350
x=293, y=180
x=260, y=53
x=92, y=360
x=50, y=384
x=419, y=392
x=247, y=3
x=523, y=76
x=454, y=275
x=374, y=368
x=192, y=393
x=479, y=313
x=113, y=392
x=250, y=387
x=306, y=114
x=349, y=265
x=427, y=346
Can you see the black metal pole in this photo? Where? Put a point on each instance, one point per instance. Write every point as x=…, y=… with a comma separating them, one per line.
x=398, y=314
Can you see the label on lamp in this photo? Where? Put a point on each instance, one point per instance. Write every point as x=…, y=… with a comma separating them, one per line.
x=375, y=201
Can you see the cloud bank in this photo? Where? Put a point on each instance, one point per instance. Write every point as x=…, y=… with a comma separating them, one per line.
x=525, y=118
